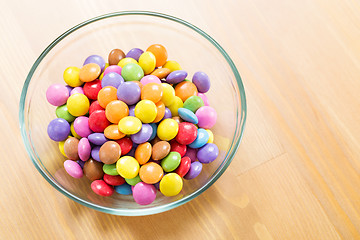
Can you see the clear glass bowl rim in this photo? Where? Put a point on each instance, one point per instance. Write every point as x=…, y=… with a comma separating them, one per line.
x=138, y=212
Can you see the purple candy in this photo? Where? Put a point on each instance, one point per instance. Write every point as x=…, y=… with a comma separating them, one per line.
x=167, y=113
x=207, y=153
x=132, y=151
x=95, y=153
x=58, y=129
x=81, y=163
x=191, y=153
x=112, y=79
x=69, y=89
x=73, y=169
x=176, y=76
x=195, y=170
x=97, y=138
x=84, y=149
x=150, y=79
x=95, y=59
x=81, y=126
x=132, y=110
x=143, y=135
x=57, y=94
x=113, y=68
x=157, y=185
x=201, y=81
x=129, y=92
x=77, y=90
x=135, y=53
x=143, y=193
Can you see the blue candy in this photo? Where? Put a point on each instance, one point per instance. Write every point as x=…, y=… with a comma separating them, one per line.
x=188, y=115
x=123, y=189
x=201, y=139
x=154, y=127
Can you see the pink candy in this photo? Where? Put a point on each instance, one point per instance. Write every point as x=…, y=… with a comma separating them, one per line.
x=113, y=68
x=150, y=79
x=143, y=193
x=77, y=90
x=81, y=126
x=204, y=98
x=207, y=117
x=84, y=149
x=73, y=169
x=57, y=94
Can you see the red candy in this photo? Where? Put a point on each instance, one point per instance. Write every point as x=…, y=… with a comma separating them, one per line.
x=101, y=188
x=187, y=133
x=184, y=166
x=91, y=89
x=125, y=145
x=98, y=121
x=114, y=180
x=94, y=106
x=177, y=147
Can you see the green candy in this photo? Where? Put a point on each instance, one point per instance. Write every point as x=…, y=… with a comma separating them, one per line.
x=133, y=181
x=110, y=169
x=132, y=72
x=171, y=161
x=193, y=103
x=62, y=112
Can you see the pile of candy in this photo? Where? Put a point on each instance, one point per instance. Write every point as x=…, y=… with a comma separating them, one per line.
x=133, y=125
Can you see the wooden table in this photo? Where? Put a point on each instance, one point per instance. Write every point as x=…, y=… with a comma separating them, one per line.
x=296, y=174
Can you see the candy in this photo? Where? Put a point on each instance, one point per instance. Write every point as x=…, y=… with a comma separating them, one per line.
x=89, y=72
x=143, y=135
x=78, y=104
x=132, y=72
x=125, y=145
x=134, y=53
x=177, y=119
x=71, y=148
x=143, y=193
x=112, y=79
x=97, y=60
x=150, y=79
x=101, y=188
x=127, y=167
x=171, y=161
x=95, y=153
x=124, y=189
x=133, y=181
x=167, y=129
x=193, y=103
x=171, y=184
x=177, y=147
x=184, y=166
x=113, y=180
x=129, y=92
x=106, y=95
x=116, y=110
x=112, y=69
x=146, y=111
x=126, y=61
x=185, y=89
x=211, y=136
x=201, y=139
x=160, y=54
x=58, y=129
x=195, y=170
x=110, y=169
x=73, y=169
x=71, y=77
x=94, y=106
x=187, y=133
x=208, y=153
x=160, y=108
x=84, y=149
x=151, y=173
x=115, y=56
x=91, y=89
x=167, y=113
x=98, y=121
x=130, y=125
x=57, y=94
x=161, y=72
x=152, y=91
x=143, y=153
x=160, y=150
x=110, y=152
x=172, y=66
x=72, y=130
x=93, y=169
x=81, y=126
x=61, y=148
x=204, y=98
x=177, y=103
x=154, y=132
x=176, y=76
x=207, y=117
x=112, y=132
x=188, y=115
x=201, y=81
x=62, y=112
x=77, y=90
x=191, y=153
x=147, y=62
x=168, y=96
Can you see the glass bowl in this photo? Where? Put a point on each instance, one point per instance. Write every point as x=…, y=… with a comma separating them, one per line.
x=190, y=46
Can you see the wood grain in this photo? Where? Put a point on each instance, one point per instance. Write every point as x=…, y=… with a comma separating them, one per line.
x=296, y=175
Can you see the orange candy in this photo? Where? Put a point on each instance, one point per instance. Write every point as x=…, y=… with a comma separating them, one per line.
x=106, y=95
x=139, y=84
x=152, y=92
x=161, y=72
x=160, y=53
x=143, y=153
x=112, y=132
x=160, y=106
x=151, y=173
x=185, y=89
x=116, y=110
x=89, y=72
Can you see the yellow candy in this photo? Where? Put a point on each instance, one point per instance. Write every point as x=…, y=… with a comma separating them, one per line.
x=168, y=94
x=73, y=131
x=127, y=167
x=211, y=136
x=78, y=104
x=71, y=77
x=171, y=184
x=178, y=103
x=146, y=111
x=147, y=62
x=167, y=129
x=106, y=65
x=125, y=61
x=61, y=148
x=172, y=65
x=129, y=125
x=101, y=76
